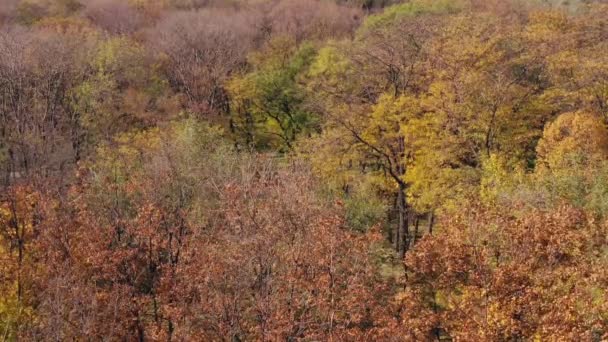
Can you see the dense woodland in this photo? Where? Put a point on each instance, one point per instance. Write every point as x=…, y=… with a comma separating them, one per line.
x=303, y=170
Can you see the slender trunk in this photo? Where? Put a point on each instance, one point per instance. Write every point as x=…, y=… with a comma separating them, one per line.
x=396, y=237
x=141, y=336
x=170, y=338
x=19, y=235
x=431, y=222
x=437, y=329
x=20, y=262
x=416, y=225
x=403, y=226
x=490, y=131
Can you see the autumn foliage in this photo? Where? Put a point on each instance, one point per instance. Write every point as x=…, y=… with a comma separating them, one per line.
x=303, y=170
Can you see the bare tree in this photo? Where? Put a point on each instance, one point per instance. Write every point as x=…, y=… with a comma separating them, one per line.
x=37, y=70
x=114, y=16
x=7, y=11
x=200, y=50
x=312, y=19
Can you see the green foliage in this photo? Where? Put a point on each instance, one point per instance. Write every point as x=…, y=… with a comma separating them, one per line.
x=364, y=208
x=597, y=202
x=329, y=64
x=12, y=313
x=120, y=89
x=393, y=14
x=267, y=104
x=177, y=160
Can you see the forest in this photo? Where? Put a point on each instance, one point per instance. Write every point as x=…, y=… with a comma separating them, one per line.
x=304, y=170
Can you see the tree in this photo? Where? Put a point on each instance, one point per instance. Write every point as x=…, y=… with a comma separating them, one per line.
x=115, y=17
x=38, y=69
x=19, y=220
x=381, y=74
x=200, y=50
x=496, y=276
x=267, y=103
x=303, y=20
x=573, y=137
x=252, y=254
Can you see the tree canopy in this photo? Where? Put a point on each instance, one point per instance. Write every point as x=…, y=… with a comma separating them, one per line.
x=303, y=170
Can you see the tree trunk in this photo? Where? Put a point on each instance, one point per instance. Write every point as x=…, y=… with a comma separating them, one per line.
x=403, y=227
x=395, y=233
x=416, y=225
x=431, y=222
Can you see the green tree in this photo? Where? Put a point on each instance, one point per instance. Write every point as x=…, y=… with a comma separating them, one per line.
x=267, y=106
